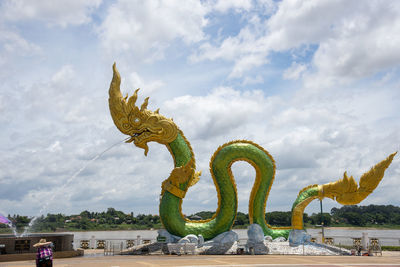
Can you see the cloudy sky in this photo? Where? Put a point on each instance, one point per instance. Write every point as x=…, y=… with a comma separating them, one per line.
x=316, y=83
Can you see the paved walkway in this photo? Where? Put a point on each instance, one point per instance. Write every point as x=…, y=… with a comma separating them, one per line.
x=95, y=260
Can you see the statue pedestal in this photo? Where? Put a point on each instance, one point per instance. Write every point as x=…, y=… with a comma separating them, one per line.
x=298, y=237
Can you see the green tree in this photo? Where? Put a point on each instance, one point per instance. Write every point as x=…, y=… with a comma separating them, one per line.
x=85, y=214
x=354, y=218
x=279, y=218
x=316, y=219
x=242, y=219
x=205, y=214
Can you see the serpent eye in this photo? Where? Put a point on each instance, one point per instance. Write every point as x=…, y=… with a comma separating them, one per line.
x=136, y=120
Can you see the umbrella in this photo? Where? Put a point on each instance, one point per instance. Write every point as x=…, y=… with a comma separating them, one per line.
x=4, y=220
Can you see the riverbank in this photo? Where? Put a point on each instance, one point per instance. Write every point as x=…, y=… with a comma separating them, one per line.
x=60, y=230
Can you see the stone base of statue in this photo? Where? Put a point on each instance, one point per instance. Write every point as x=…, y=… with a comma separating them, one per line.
x=299, y=237
x=225, y=243
x=255, y=243
x=228, y=243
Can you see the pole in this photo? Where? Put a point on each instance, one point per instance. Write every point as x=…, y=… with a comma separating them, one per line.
x=322, y=222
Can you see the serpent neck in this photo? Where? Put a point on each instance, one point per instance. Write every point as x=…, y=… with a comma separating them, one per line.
x=170, y=208
x=180, y=150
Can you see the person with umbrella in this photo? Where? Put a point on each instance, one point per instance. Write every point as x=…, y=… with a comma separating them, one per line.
x=44, y=254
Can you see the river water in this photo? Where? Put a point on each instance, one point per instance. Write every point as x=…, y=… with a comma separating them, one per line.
x=343, y=236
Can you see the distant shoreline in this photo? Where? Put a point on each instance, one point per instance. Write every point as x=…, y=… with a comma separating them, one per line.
x=155, y=229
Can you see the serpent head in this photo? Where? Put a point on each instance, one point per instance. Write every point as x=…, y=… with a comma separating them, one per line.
x=141, y=124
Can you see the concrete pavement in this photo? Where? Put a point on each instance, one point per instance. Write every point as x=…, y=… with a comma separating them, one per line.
x=97, y=260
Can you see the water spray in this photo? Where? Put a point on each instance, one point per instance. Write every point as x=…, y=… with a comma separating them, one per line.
x=46, y=204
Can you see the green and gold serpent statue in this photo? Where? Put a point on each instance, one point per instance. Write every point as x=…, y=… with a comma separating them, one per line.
x=144, y=126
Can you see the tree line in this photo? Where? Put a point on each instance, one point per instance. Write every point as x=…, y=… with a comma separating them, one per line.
x=352, y=215
x=361, y=216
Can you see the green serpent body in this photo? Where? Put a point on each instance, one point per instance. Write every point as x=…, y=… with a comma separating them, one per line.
x=143, y=126
x=170, y=205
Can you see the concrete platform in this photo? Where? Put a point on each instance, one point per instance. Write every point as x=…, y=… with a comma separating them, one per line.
x=31, y=256
x=96, y=260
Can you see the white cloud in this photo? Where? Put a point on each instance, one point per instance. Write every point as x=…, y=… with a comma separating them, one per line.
x=64, y=75
x=294, y=71
x=62, y=13
x=354, y=40
x=146, y=28
x=12, y=47
x=237, y=5
x=367, y=45
x=265, y=7
x=216, y=114
x=14, y=43
x=135, y=81
x=245, y=63
x=305, y=22
x=55, y=147
x=245, y=49
x=253, y=80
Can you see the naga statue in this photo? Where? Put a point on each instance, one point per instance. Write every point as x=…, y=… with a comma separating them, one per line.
x=143, y=126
